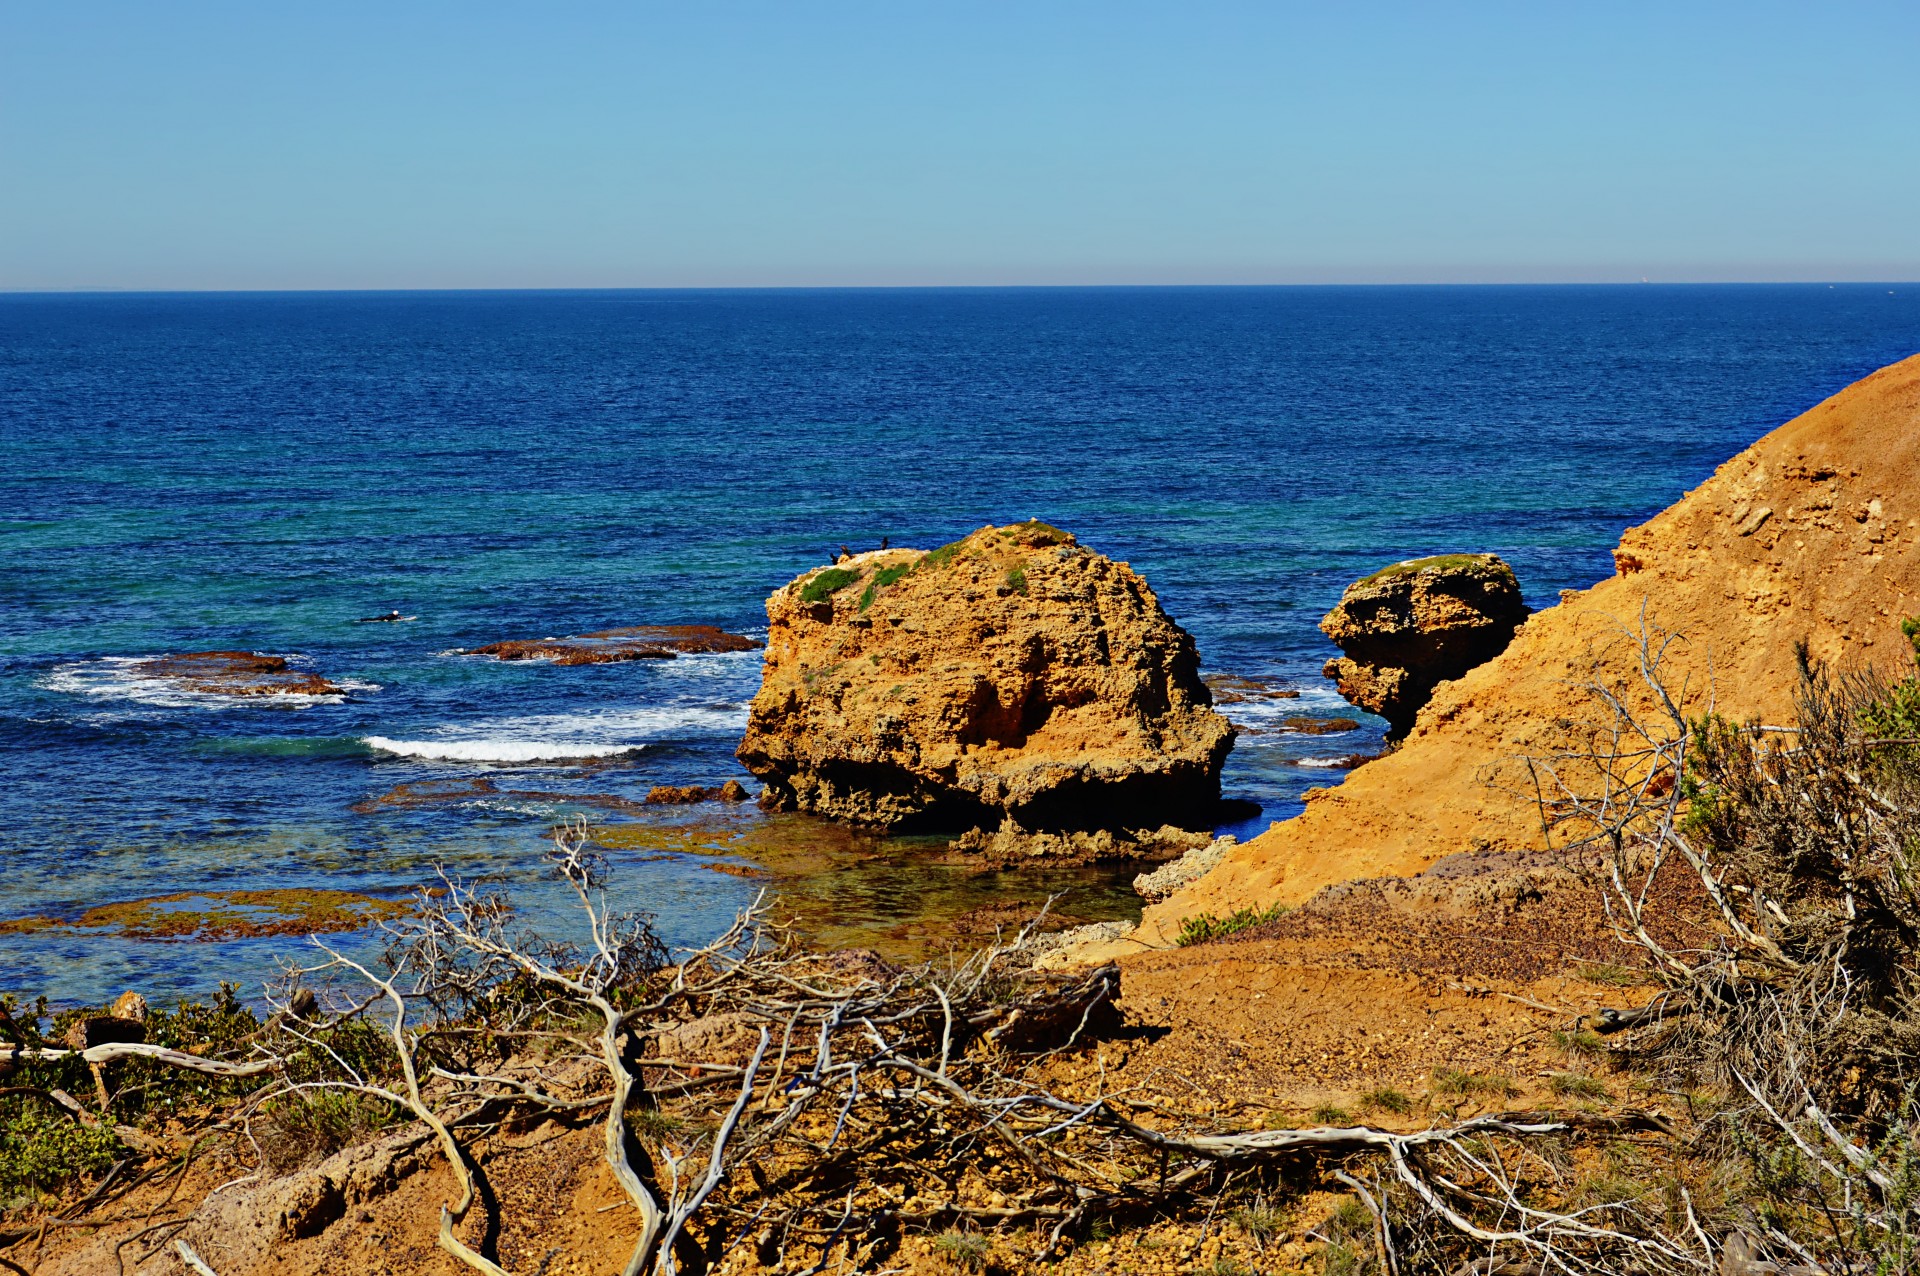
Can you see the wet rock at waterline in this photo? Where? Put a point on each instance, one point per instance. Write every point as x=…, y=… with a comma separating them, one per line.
x=686, y=794
x=235, y=673
x=1010, y=845
x=608, y=646
x=1011, y=673
x=1412, y=626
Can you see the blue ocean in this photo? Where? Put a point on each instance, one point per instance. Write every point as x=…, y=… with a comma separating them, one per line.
x=190, y=472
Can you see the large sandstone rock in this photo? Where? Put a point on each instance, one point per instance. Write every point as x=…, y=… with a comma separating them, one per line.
x=1412, y=626
x=1012, y=673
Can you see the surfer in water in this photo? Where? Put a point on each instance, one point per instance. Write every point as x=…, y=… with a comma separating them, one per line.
x=391, y=617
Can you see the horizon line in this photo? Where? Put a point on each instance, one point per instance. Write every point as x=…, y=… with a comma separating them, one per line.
x=113, y=290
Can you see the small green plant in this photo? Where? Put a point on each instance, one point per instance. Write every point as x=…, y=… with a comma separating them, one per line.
x=1017, y=580
x=1261, y=1222
x=1584, y=1044
x=1329, y=1114
x=654, y=1123
x=1454, y=1083
x=826, y=584
x=1203, y=927
x=881, y=579
x=1618, y=976
x=1349, y=1233
x=937, y=558
x=965, y=1250
x=1386, y=1099
x=1576, y=1085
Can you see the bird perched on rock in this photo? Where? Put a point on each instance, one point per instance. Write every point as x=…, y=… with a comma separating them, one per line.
x=845, y=554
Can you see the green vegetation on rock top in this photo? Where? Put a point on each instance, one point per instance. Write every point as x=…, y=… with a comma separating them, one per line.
x=827, y=583
x=1443, y=562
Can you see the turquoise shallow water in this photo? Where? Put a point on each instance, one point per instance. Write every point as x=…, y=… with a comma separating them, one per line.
x=194, y=472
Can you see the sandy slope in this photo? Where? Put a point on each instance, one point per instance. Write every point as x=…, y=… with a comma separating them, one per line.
x=1813, y=532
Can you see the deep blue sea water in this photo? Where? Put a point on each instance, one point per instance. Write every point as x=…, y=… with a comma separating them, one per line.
x=188, y=472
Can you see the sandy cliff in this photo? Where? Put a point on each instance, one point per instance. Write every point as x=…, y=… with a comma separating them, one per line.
x=1812, y=533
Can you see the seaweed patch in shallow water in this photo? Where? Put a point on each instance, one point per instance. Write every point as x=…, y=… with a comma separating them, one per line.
x=224, y=915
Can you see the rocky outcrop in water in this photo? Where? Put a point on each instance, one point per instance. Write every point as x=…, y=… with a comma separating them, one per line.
x=1012, y=673
x=1412, y=626
x=687, y=794
x=235, y=673
x=609, y=646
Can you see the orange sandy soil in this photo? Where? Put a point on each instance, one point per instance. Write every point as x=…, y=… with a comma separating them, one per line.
x=1374, y=985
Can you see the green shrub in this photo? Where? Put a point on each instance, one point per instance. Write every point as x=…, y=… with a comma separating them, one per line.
x=1329, y=1114
x=1017, y=580
x=826, y=584
x=1387, y=1099
x=1206, y=926
x=1584, y=1044
x=1261, y=1222
x=964, y=1250
x=1575, y=1085
x=43, y=1150
x=312, y=1125
x=1461, y=1085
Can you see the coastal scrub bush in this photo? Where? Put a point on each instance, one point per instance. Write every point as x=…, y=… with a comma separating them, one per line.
x=1017, y=580
x=826, y=584
x=311, y=1125
x=1203, y=927
x=42, y=1149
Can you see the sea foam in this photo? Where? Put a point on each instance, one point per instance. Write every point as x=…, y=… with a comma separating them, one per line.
x=117, y=678
x=497, y=750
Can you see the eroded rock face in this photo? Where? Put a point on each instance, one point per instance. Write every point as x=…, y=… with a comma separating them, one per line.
x=609, y=646
x=1412, y=626
x=235, y=673
x=1012, y=673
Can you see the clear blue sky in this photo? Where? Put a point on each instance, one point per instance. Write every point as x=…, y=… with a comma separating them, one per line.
x=580, y=144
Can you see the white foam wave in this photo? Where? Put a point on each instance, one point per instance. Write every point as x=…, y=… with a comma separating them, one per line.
x=1329, y=763
x=115, y=678
x=497, y=750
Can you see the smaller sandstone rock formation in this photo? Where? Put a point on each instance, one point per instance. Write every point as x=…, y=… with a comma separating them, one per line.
x=235, y=673
x=1192, y=866
x=1412, y=626
x=683, y=794
x=608, y=646
x=1011, y=673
